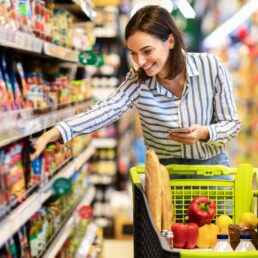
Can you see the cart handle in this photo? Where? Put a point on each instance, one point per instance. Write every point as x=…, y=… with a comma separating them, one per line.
x=210, y=170
x=204, y=170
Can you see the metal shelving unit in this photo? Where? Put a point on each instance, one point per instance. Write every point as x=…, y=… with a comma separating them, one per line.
x=66, y=230
x=18, y=217
x=15, y=125
x=19, y=124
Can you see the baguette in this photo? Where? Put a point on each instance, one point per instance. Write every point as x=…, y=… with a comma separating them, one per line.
x=164, y=218
x=153, y=187
x=167, y=218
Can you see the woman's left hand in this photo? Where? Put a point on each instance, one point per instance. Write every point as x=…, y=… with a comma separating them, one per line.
x=196, y=132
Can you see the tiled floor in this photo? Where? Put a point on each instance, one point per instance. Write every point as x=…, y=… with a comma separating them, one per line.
x=117, y=248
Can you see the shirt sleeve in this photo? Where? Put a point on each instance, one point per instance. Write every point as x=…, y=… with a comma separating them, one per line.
x=102, y=113
x=225, y=123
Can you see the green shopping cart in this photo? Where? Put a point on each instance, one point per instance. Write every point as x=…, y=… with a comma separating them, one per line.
x=233, y=197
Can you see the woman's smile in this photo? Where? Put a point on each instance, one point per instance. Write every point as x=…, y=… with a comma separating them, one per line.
x=148, y=67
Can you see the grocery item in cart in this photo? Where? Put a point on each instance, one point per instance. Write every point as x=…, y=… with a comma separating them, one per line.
x=245, y=244
x=234, y=196
x=236, y=230
x=157, y=189
x=222, y=244
x=201, y=210
x=153, y=188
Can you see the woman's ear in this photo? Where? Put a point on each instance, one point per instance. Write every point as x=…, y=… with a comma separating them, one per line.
x=171, y=41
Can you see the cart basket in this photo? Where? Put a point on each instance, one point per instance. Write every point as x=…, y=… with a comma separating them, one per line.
x=233, y=197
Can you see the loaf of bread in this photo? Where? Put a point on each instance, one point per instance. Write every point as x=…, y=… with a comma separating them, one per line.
x=158, y=191
x=153, y=187
x=167, y=218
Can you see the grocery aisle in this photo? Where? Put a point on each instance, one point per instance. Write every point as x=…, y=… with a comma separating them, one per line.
x=94, y=168
x=117, y=248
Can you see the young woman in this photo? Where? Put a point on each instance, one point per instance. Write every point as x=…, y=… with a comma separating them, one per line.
x=170, y=89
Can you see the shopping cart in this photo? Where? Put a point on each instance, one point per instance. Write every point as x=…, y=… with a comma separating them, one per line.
x=233, y=197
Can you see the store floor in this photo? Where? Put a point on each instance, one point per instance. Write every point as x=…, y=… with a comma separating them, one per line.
x=117, y=248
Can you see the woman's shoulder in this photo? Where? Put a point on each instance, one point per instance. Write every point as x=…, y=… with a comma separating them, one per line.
x=204, y=55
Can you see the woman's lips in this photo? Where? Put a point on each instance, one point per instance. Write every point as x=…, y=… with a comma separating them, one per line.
x=147, y=67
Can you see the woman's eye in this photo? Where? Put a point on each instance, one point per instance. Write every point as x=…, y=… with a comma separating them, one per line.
x=146, y=52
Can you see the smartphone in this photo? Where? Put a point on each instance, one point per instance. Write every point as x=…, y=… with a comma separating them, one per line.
x=179, y=130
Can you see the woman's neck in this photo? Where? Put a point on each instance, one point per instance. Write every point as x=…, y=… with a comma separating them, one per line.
x=175, y=86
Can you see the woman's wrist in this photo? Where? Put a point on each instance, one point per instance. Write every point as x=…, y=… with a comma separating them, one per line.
x=205, y=136
x=52, y=135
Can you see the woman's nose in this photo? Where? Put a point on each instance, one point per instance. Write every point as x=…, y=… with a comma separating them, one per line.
x=140, y=60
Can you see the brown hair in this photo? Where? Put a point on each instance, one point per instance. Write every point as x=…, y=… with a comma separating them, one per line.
x=158, y=22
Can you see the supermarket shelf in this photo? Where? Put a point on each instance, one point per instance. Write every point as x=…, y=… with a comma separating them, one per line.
x=104, y=143
x=84, y=156
x=47, y=191
x=67, y=171
x=60, y=52
x=87, y=241
x=86, y=8
x=81, y=9
x=14, y=221
x=59, y=240
x=13, y=129
x=88, y=198
x=20, y=40
x=26, y=42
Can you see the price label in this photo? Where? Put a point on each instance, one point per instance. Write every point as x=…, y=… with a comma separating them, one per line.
x=87, y=57
x=62, y=186
x=85, y=212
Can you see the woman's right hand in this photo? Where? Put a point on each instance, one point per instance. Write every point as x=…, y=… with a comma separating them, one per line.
x=196, y=133
x=47, y=137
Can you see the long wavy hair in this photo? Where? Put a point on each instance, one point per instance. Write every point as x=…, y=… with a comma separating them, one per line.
x=158, y=22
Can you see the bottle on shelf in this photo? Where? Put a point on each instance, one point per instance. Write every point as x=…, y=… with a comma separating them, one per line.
x=245, y=244
x=222, y=244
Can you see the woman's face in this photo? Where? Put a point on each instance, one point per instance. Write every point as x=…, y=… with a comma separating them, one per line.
x=149, y=52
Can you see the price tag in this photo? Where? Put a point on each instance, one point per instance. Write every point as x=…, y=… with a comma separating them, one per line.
x=62, y=186
x=85, y=212
x=87, y=57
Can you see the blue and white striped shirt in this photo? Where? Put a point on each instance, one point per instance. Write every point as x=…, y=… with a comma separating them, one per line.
x=207, y=100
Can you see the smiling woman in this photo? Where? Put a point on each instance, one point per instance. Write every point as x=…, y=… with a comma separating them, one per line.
x=157, y=36
x=151, y=57
x=170, y=88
